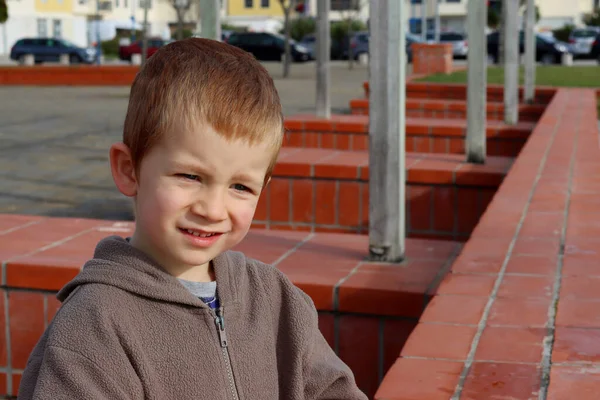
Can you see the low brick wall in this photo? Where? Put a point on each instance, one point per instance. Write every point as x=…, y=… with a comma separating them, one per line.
x=452, y=109
x=425, y=135
x=517, y=316
x=457, y=91
x=432, y=58
x=75, y=75
x=366, y=311
x=327, y=191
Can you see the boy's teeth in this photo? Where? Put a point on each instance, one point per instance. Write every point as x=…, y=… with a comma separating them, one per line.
x=191, y=232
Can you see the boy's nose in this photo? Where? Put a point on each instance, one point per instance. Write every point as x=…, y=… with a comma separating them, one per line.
x=211, y=206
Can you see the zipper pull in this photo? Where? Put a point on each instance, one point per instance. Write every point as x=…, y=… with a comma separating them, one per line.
x=220, y=322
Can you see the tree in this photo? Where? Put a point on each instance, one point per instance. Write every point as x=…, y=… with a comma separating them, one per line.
x=593, y=19
x=3, y=11
x=287, y=6
x=182, y=7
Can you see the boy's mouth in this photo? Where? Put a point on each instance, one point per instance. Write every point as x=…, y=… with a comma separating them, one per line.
x=202, y=234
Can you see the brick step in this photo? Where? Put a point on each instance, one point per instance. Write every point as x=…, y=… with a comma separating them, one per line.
x=458, y=91
x=452, y=109
x=323, y=190
x=424, y=135
x=376, y=304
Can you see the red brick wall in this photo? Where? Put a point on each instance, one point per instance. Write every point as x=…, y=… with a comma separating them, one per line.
x=432, y=58
x=80, y=75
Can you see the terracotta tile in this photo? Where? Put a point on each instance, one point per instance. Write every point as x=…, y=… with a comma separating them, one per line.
x=279, y=199
x=542, y=224
x=456, y=145
x=268, y=246
x=467, y=215
x=420, y=380
x=444, y=206
x=532, y=264
x=14, y=221
x=41, y=272
x=519, y=312
x=317, y=284
x=26, y=324
x=422, y=144
x=581, y=265
x=312, y=140
x=419, y=207
x=44, y=233
x=3, y=342
x=394, y=293
x=476, y=175
x=515, y=286
x=327, y=328
x=439, y=341
x=467, y=284
x=16, y=381
x=440, y=145
x=395, y=334
x=325, y=202
x=261, y=213
x=343, y=142
x=580, y=287
x=360, y=142
x=360, y=332
x=578, y=313
x=455, y=310
x=327, y=140
x=526, y=344
x=364, y=194
x=349, y=204
x=502, y=381
x=3, y=384
x=576, y=345
x=574, y=382
x=319, y=125
x=294, y=139
x=302, y=200
x=535, y=246
x=432, y=172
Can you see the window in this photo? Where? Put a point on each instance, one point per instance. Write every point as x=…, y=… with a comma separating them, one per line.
x=264, y=3
x=248, y=3
x=42, y=27
x=57, y=28
x=341, y=5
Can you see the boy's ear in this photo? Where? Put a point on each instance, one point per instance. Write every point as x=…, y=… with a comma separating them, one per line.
x=123, y=170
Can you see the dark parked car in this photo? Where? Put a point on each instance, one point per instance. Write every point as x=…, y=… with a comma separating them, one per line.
x=268, y=46
x=125, y=52
x=548, y=50
x=50, y=50
x=360, y=45
x=595, y=52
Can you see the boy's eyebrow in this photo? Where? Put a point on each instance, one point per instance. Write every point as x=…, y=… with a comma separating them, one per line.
x=245, y=177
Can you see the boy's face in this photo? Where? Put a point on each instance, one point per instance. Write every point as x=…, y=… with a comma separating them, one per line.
x=196, y=197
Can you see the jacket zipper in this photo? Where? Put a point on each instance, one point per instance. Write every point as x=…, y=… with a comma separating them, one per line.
x=220, y=323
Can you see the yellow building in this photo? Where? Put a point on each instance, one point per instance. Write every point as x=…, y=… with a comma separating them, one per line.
x=254, y=8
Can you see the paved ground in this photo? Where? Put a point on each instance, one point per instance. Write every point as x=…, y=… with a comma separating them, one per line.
x=54, y=141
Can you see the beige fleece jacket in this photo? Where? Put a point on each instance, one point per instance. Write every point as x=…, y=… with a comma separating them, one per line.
x=129, y=330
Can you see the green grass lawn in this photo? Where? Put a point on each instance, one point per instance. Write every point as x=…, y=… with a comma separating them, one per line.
x=574, y=76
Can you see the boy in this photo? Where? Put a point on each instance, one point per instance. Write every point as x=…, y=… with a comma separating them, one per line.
x=171, y=313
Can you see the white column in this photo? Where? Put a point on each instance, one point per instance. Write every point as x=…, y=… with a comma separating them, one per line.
x=511, y=61
x=530, y=52
x=387, y=100
x=477, y=82
x=323, y=54
x=210, y=19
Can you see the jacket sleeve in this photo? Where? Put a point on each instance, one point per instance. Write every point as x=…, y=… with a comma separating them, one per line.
x=65, y=374
x=326, y=376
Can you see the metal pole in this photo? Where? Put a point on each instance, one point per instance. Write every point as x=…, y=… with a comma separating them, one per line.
x=98, y=43
x=530, y=52
x=210, y=24
x=424, y=20
x=387, y=100
x=511, y=61
x=477, y=85
x=437, y=21
x=145, y=32
x=323, y=49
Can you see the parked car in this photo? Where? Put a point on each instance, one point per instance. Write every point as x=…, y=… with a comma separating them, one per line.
x=581, y=40
x=268, y=46
x=360, y=45
x=125, y=52
x=548, y=50
x=50, y=50
x=460, y=47
x=595, y=51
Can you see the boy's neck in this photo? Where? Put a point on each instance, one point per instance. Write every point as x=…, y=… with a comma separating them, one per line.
x=201, y=273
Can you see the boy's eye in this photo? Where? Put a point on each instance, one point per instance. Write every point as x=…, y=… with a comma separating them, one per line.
x=189, y=177
x=241, y=188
